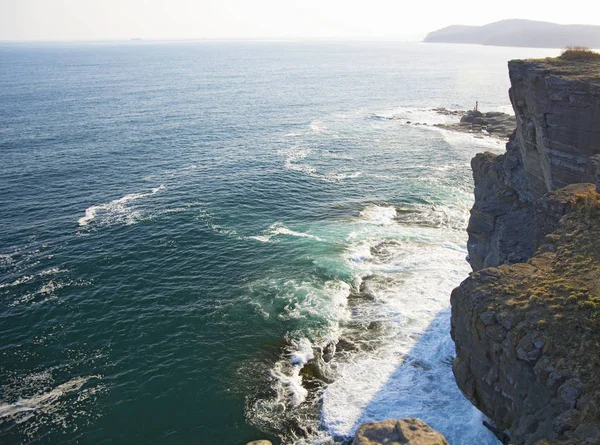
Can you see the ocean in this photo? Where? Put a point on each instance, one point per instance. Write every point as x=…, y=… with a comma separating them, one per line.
x=216, y=242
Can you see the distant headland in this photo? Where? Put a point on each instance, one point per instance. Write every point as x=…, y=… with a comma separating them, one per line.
x=523, y=33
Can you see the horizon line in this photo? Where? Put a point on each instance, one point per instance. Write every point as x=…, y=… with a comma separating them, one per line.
x=398, y=38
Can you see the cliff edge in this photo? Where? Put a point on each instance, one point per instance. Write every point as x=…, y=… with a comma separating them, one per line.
x=526, y=323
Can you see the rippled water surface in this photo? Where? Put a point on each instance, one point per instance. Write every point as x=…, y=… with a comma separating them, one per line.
x=213, y=242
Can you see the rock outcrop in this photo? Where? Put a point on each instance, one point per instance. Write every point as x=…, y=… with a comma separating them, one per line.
x=492, y=123
x=398, y=432
x=527, y=323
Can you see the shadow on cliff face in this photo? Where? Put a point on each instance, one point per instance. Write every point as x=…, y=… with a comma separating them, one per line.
x=423, y=386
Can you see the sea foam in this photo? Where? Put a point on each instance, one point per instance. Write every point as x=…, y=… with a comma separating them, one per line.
x=379, y=214
x=117, y=210
x=279, y=228
x=401, y=366
x=25, y=409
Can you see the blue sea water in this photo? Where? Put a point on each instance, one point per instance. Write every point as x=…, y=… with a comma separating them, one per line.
x=215, y=242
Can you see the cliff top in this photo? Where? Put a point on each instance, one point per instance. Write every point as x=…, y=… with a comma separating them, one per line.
x=576, y=64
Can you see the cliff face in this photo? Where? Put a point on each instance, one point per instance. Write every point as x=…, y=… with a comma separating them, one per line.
x=527, y=323
x=527, y=334
x=558, y=124
x=557, y=142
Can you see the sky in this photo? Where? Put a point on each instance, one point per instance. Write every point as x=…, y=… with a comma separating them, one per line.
x=274, y=19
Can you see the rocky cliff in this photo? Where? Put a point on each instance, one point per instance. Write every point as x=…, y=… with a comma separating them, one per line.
x=527, y=323
x=557, y=142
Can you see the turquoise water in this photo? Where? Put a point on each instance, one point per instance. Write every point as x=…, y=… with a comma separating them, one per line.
x=211, y=242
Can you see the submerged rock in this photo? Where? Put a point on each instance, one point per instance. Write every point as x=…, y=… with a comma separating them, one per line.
x=395, y=432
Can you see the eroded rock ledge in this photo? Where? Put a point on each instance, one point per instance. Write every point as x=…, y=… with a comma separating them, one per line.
x=527, y=323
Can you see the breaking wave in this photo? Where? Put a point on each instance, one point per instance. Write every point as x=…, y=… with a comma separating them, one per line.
x=279, y=228
x=117, y=211
x=385, y=352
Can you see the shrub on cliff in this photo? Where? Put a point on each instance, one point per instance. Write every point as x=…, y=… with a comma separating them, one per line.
x=578, y=53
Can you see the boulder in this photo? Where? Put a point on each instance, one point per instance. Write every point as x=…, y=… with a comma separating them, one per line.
x=396, y=432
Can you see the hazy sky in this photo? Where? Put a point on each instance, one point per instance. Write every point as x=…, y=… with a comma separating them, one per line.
x=172, y=19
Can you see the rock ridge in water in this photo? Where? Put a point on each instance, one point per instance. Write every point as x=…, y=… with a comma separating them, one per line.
x=526, y=324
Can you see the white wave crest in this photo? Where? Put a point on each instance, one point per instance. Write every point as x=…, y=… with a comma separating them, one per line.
x=29, y=278
x=295, y=160
x=306, y=300
x=289, y=384
x=422, y=116
x=340, y=176
x=361, y=252
x=117, y=210
x=24, y=409
x=293, y=156
x=383, y=215
x=279, y=228
x=18, y=281
x=317, y=127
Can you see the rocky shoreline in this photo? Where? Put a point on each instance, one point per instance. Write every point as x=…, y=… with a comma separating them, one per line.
x=489, y=124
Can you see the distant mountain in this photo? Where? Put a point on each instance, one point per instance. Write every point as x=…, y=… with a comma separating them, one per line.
x=526, y=33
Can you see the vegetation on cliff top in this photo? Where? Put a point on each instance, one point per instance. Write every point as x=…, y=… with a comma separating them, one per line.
x=579, y=53
x=577, y=62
